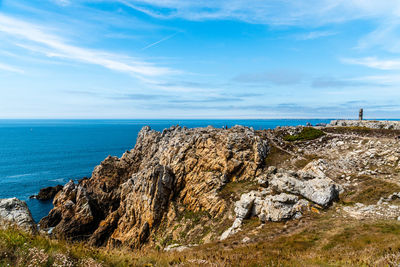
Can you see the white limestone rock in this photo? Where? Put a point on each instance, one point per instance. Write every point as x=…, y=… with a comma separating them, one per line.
x=321, y=191
x=15, y=212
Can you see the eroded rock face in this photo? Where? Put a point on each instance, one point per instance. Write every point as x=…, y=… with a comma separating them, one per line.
x=15, y=211
x=127, y=199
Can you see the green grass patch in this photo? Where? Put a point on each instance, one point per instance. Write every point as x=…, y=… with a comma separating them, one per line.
x=308, y=133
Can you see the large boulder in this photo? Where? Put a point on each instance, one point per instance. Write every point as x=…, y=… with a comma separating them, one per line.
x=282, y=207
x=266, y=207
x=321, y=191
x=15, y=212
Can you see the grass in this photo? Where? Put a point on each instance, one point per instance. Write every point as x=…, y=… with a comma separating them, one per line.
x=321, y=240
x=316, y=240
x=364, y=131
x=276, y=157
x=301, y=163
x=236, y=189
x=369, y=191
x=308, y=133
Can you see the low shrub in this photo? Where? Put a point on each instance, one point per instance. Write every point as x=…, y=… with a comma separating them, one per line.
x=308, y=133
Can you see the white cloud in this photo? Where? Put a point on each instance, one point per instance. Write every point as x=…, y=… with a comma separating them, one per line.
x=53, y=46
x=314, y=35
x=275, y=12
x=304, y=13
x=385, y=36
x=9, y=68
x=373, y=62
x=62, y=2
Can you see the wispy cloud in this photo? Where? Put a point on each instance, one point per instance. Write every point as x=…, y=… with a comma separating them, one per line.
x=217, y=99
x=53, y=46
x=314, y=35
x=385, y=36
x=346, y=109
x=332, y=82
x=388, y=80
x=9, y=68
x=373, y=62
x=62, y=2
x=139, y=97
x=277, y=77
x=277, y=12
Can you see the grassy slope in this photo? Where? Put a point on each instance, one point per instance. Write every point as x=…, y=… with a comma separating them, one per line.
x=324, y=239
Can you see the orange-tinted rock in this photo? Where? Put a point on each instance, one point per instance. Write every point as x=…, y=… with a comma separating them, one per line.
x=127, y=198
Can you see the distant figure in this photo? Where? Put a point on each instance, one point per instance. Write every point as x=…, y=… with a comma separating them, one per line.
x=226, y=127
x=361, y=114
x=308, y=124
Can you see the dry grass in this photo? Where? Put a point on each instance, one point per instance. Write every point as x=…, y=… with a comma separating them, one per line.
x=322, y=240
x=276, y=157
x=363, y=131
x=316, y=240
x=369, y=190
x=233, y=190
x=301, y=163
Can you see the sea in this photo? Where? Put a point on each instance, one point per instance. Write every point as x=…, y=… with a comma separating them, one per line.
x=39, y=153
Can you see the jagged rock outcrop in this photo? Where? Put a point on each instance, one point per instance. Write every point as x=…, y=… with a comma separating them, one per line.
x=392, y=125
x=288, y=194
x=266, y=207
x=15, y=212
x=47, y=193
x=128, y=198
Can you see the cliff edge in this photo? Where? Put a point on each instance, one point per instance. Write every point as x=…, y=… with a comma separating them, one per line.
x=167, y=176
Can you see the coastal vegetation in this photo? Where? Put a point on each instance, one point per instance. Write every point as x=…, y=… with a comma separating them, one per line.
x=316, y=240
x=308, y=133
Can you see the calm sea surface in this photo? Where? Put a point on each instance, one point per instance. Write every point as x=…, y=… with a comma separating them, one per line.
x=40, y=153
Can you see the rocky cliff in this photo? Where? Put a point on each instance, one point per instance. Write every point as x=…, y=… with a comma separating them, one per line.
x=188, y=185
x=180, y=170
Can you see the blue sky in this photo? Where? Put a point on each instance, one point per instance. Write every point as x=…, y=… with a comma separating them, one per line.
x=199, y=59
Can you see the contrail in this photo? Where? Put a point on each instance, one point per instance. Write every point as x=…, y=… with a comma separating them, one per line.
x=160, y=41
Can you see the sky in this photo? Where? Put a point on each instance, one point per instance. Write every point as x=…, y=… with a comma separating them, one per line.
x=129, y=59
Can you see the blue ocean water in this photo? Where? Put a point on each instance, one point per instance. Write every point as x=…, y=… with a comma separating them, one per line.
x=40, y=153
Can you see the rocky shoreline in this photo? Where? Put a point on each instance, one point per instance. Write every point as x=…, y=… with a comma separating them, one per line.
x=202, y=184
